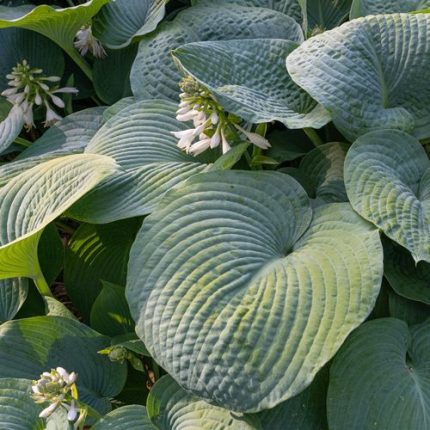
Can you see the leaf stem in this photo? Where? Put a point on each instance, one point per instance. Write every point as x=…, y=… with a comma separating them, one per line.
x=23, y=142
x=42, y=286
x=313, y=136
x=83, y=65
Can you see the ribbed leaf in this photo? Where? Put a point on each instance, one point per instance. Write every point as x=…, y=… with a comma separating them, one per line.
x=383, y=171
x=368, y=73
x=326, y=14
x=10, y=127
x=30, y=201
x=97, y=253
x=139, y=138
x=131, y=417
x=249, y=79
x=375, y=7
x=380, y=379
x=218, y=281
x=31, y=346
x=13, y=293
x=122, y=22
x=172, y=408
x=154, y=75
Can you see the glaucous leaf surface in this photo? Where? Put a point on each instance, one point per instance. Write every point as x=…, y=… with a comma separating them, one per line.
x=326, y=14
x=139, y=138
x=368, y=74
x=97, y=253
x=241, y=293
x=31, y=346
x=172, y=408
x=122, y=22
x=30, y=201
x=383, y=368
x=375, y=7
x=387, y=181
x=249, y=79
x=154, y=74
x=131, y=417
x=11, y=127
x=13, y=293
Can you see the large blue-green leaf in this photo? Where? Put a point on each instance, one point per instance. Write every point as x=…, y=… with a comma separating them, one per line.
x=249, y=79
x=140, y=139
x=13, y=293
x=241, y=294
x=386, y=178
x=122, y=22
x=154, y=75
x=172, y=408
x=380, y=378
x=31, y=346
x=375, y=7
x=131, y=417
x=368, y=73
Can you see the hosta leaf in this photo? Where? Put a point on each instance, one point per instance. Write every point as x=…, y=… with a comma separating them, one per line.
x=406, y=278
x=97, y=253
x=51, y=253
x=218, y=279
x=154, y=75
x=10, y=127
x=383, y=171
x=59, y=25
x=30, y=201
x=112, y=74
x=122, y=22
x=288, y=145
x=249, y=79
x=118, y=106
x=110, y=314
x=131, y=417
x=172, y=408
x=407, y=310
x=323, y=168
x=139, y=138
x=31, y=346
x=383, y=368
x=361, y=74
x=17, y=409
x=375, y=7
x=69, y=136
x=306, y=411
x=326, y=14
x=13, y=293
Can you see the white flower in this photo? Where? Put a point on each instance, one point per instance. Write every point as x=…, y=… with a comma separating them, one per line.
x=215, y=139
x=225, y=145
x=188, y=116
x=214, y=118
x=85, y=41
x=49, y=410
x=73, y=411
x=200, y=146
x=185, y=137
x=51, y=116
x=255, y=138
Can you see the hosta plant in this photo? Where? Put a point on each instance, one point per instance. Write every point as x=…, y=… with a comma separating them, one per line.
x=214, y=215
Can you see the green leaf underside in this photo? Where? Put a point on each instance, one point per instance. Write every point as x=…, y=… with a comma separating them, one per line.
x=361, y=74
x=230, y=290
x=383, y=368
x=30, y=201
x=154, y=74
x=139, y=139
x=376, y=7
x=249, y=79
x=13, y=293
x=131, y=417
x=385, y=178
x=122, y=22
x=97, y=253
x=31, y=346
x=172, y=408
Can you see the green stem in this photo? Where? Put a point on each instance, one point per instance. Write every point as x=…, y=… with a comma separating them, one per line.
x=64, y=227
x=23, y=142
x=313, y=136
x=42, y=286
x=83, y=65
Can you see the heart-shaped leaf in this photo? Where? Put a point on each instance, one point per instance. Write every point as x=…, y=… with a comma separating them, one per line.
x=385, y=178
x=122, y=22
x=13, y=293
x=376, y=7
x=31, y=346
x=154, y=74
x=383, y=368
x=30, y=201
x=139, y=138
x=359, y=74
x=240, y=294
x=131, y=417
x=249, y=79
x=172, y=408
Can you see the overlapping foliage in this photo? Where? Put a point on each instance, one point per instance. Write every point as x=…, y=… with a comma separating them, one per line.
x=229, y=228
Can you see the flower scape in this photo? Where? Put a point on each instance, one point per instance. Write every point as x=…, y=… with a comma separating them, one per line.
x=214, y=215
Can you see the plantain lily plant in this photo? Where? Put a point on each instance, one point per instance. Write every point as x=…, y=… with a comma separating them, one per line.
x=215, y=215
